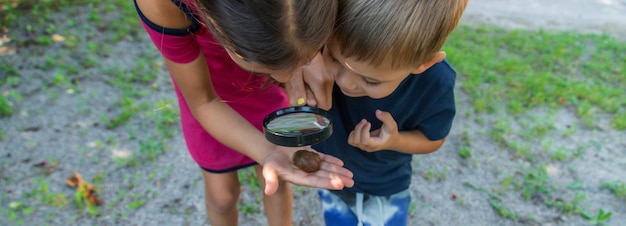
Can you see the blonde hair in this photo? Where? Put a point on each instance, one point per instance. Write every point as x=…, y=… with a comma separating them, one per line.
x=406, y=33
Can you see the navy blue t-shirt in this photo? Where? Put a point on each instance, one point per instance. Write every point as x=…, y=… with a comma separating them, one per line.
x=422, y=101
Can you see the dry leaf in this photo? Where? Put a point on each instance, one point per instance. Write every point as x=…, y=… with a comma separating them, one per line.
x=87, y=190
x=57, y=38
x=6, y=50
x=41, y=164
x=4, y=39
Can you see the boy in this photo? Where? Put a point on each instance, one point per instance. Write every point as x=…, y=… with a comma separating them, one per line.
x=393, y=97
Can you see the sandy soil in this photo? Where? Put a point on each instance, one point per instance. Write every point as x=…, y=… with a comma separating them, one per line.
x=47, y=127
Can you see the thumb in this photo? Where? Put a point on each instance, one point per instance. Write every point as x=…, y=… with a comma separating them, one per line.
x=271, y=180
x=296, y=90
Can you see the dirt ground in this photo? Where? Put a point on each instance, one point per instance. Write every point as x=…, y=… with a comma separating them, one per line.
x=446, y=189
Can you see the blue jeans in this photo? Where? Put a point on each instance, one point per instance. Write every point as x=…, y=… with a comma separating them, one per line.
x=344, y=208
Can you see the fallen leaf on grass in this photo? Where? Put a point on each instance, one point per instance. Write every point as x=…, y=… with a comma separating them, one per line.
x=41, y=164
x=6, y=5
x=48, y=168
x=6, y=50
x=87, y=190
x=57, y=38
x=4, y=39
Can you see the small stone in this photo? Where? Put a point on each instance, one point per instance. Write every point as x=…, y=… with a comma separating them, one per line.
x=307, y=161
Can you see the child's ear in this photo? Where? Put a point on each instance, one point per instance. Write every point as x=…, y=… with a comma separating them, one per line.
x=438, y=57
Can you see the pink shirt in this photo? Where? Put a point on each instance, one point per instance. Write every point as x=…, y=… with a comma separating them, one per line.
x=246, y=93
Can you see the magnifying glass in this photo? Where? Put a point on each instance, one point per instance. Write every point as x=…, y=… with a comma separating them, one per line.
x=297, y=126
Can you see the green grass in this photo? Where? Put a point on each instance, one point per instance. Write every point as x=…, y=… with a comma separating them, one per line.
x=510, y=74
x=517, y=71
x=505, y=73
x=31, y=25
x=5, y=107
x=248, y=177
x=616, y=187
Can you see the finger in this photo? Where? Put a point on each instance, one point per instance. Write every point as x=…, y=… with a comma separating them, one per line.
x=334, y=168
x=328, y=172
x=323, y=94
x=387, y=119
x=334, y=176
x=332, y=164
x=295, y=89
x=319, y=179
x=335, y=180
x=365, y=133
x=359, y=131
x=271, y=180
x=311, y=101
x=330, y=159
x=352, y=136
x=321, y=82
x=353, y=139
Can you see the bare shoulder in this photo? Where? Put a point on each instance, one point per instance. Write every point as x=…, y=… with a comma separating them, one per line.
x=163, y=13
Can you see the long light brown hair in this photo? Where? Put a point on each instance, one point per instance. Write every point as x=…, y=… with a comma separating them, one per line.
x=279, y=34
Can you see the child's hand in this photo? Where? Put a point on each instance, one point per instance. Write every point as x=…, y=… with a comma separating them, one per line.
x=332, y=175
x=311, y=85
x=379, y=139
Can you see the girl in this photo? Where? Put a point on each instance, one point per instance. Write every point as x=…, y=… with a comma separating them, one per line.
x=214, y=51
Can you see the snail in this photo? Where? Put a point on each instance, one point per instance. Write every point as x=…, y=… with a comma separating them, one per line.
x=307, y=161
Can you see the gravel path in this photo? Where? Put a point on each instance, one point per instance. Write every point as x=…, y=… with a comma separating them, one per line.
x=64, y=132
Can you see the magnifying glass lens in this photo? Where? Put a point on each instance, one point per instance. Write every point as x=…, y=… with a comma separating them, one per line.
x=297, y=126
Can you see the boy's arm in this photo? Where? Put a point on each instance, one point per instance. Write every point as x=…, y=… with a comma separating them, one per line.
x=415, y=142
x=389, y=138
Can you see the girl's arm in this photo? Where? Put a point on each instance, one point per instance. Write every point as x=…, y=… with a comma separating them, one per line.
x=226, y=125
x=217, y=118
x=232, y=130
